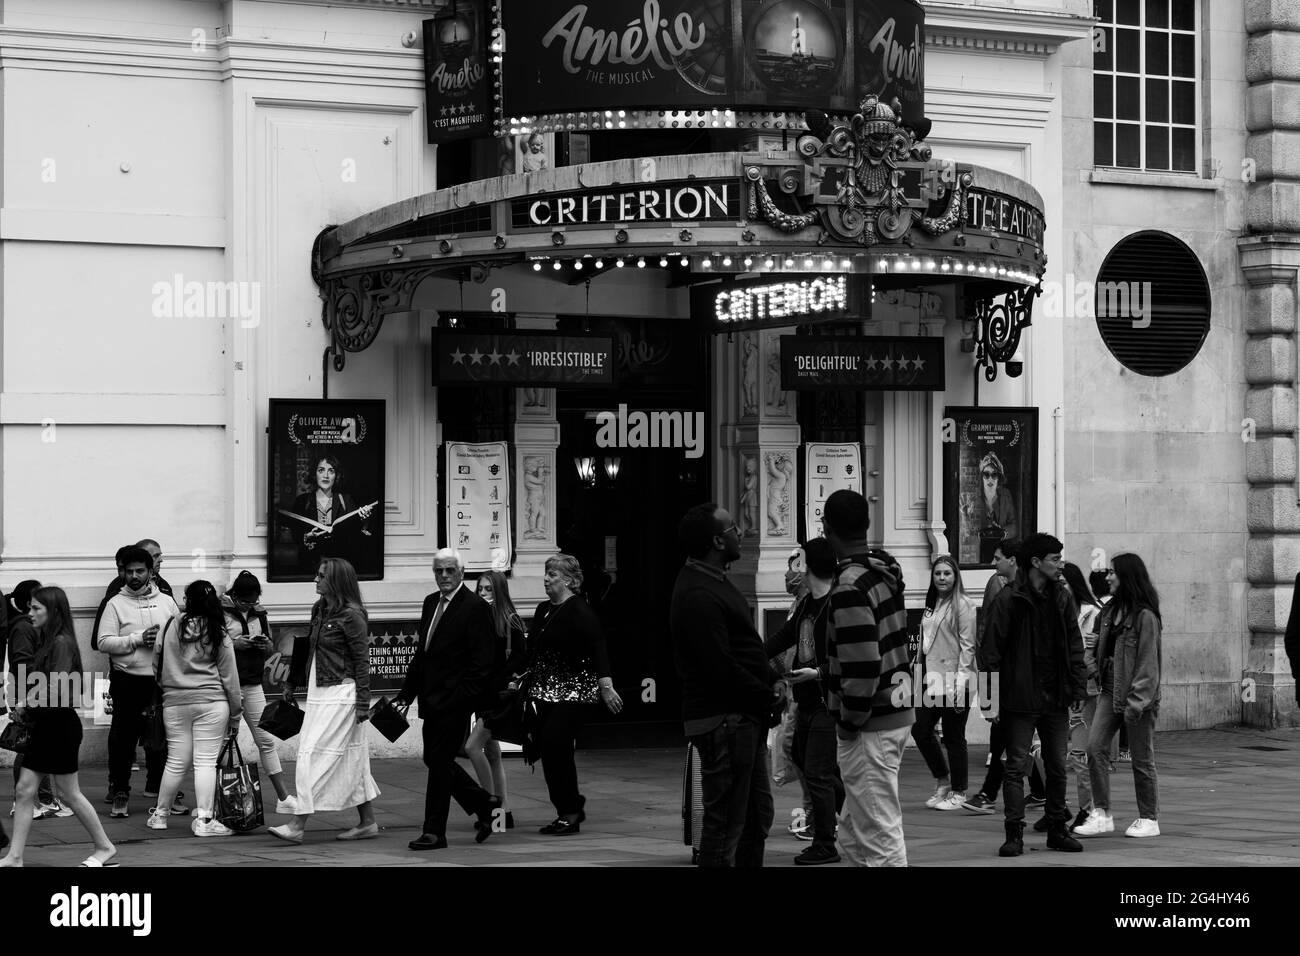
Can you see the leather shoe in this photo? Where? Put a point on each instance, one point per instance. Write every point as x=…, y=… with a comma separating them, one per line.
x=559, y=827
x=483, y=825
x=428, y=841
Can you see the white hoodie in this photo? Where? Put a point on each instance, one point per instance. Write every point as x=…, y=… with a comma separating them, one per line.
x=121, y=631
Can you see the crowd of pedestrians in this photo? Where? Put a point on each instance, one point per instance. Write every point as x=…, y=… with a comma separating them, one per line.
x=1059, y=664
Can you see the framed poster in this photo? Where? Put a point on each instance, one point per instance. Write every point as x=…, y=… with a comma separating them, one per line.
x=392, y=645
x=478, y=504
x=828, y=469
x=458, y=74
x=990, y=468
x=326, y=486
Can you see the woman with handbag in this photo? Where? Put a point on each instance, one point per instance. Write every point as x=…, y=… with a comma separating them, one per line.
x=948, y=655
x=570, y=671
x=54, y=741
x=483, y=751
x=333, y=770
x=1129, y=658
x=250, y=634
x=197, y=674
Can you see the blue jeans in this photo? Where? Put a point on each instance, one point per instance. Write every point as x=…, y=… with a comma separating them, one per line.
x=736, y=785
x=814, y=753
x=1142, y=741
x=1054, y=732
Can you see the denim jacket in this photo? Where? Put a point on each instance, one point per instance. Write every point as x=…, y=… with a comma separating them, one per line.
x=340, y=644
x=1135, y=686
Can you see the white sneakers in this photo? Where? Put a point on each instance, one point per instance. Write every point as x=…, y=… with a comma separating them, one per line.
x=208, y=827
x=1143, y=827
x=288, y=805
x=954, y=801
x=157, y=819
x=940, y=794
x=1099, y=821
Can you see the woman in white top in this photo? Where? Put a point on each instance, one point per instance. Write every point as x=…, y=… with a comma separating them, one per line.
x=948, y=661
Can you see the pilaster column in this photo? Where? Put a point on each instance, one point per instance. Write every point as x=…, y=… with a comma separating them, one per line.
x=537, y=438
x=1270, y=260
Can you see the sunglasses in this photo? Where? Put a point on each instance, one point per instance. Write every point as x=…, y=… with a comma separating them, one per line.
x=989, y=474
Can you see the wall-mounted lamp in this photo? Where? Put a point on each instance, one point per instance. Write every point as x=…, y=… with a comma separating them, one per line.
x=586, y=469
x=611, y=468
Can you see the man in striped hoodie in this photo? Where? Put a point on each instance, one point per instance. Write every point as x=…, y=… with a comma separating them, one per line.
x=869, y=686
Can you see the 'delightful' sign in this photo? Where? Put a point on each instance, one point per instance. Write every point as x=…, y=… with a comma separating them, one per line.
x=688, y=200
x=531, y=358
x=879, y=362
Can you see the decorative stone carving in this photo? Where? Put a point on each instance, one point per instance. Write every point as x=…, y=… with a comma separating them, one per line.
x=536, y=470
x=776, y=399
x=749, y=497
x=749, y=375
x=780, y=472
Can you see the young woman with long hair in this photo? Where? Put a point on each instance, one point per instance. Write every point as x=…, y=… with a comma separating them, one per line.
x=484, y=752
x=1128, y=655
x=1083, y=714
x=56, y=729
x=948, y=655
x=195, y=667
x=333, y=770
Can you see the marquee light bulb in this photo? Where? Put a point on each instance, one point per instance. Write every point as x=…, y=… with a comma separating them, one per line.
x=537, y=267
x=619, y=263
x=663, y=262
x=640, y=263
x=685, y=262
x=726, y=262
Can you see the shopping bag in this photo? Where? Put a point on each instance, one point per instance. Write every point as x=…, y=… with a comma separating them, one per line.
x=780, y=742
x=239, y=789
x=282, y=719
x=692, y=802
x=388, y=720
x=16, y=736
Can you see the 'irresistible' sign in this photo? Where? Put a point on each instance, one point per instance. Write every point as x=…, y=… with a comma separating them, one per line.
x=877, y=362
x=522, y=358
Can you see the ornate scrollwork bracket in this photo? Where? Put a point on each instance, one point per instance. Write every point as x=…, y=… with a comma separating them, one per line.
x=353, y=307
x=998, y=326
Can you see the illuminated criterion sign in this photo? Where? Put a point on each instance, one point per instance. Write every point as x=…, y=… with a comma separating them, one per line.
x=782, y=303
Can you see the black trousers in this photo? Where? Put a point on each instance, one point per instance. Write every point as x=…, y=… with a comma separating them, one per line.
x=132, y=695
x=560, y=724
x=444, y=737
x=993, y=779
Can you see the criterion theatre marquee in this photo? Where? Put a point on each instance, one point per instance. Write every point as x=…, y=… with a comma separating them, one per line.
x=684, y=201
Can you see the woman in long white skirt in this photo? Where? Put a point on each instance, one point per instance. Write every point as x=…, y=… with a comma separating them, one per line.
x=333, y=770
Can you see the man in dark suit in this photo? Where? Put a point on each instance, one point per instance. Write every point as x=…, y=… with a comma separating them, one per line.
x=447, y=674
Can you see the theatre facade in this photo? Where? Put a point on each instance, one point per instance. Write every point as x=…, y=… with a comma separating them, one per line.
x=493, y=303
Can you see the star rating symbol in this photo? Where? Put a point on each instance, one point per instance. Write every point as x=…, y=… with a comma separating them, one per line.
x=513, y=357
x=475, y=357
x=442, y=111
x=889, y=364
x=872, y=363
x=494, y=357
x=919, y=363
x=903, y=364
x=458, y=357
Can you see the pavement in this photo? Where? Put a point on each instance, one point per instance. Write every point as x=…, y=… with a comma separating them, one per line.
x=1225, y=801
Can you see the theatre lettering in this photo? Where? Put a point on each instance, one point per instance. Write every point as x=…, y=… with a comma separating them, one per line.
x=696, y=202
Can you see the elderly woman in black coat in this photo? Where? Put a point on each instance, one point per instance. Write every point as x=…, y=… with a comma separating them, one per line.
x=569, y=672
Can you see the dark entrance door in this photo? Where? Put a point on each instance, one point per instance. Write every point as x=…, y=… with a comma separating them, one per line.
x=622, y=525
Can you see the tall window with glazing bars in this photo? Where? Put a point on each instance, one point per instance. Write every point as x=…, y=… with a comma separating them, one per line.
x=1146, y=65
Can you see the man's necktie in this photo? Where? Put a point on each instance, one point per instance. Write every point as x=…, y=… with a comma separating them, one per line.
x=437, y=616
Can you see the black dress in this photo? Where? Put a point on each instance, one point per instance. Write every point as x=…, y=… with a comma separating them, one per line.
x=55, y=743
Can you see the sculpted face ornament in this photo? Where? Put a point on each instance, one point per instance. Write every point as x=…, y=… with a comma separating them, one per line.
x=860, y=169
